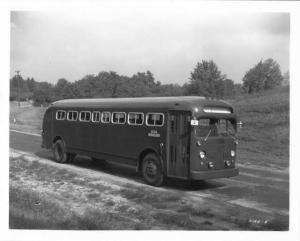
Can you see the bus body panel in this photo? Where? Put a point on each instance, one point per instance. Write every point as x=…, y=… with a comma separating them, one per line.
x=115, y=142
x=175, y=142
x=47, y=129
x=218, y=161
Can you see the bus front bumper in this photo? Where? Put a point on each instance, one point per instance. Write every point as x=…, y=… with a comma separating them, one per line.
x=212, y=174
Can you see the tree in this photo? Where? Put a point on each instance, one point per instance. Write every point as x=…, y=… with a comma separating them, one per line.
x=43, y=94
x=264, y=75
x=238, y=89
x=286, y=78
x=170, y=90
x=206, y=80
x=19, y=87
x=63, y=90
x=229, y=90
x=31, y=83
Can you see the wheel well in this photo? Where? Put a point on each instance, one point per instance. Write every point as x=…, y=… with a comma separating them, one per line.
x=56, y=138
x=142, y=155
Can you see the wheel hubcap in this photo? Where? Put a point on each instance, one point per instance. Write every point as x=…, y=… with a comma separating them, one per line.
x=151, y=169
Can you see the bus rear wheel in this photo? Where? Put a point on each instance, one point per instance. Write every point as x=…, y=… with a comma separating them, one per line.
x=60, y=154
x=152, y=170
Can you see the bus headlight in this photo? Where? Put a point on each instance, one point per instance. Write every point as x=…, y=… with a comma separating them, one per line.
x=228, y=163
x=232, y=153
x=202, y=154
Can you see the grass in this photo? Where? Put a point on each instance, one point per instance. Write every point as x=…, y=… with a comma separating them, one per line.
x=29, y=210
x=26, y=118
x=44, y=196
x=264, y=138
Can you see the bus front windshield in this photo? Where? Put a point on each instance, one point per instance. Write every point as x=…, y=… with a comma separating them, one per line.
x=210, y=127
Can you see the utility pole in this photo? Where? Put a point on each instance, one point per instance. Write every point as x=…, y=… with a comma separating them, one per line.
x=18, y=76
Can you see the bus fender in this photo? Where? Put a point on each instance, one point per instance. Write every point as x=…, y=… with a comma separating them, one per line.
x=146, y=152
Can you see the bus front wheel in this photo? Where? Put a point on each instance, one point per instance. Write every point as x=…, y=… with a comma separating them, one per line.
x=60, y=154
x=152, y=170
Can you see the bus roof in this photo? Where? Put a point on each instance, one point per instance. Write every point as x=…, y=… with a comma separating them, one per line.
x=177, y=102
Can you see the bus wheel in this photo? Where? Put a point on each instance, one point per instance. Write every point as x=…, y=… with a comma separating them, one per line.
x=152, y=170
x=59, y=152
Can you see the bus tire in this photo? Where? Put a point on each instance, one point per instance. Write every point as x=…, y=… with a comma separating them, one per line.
x=59, y=152
x=152, y=170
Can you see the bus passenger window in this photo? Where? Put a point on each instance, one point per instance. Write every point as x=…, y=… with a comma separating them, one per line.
x=118, y=117
x=105, y=117
x=60, y=115
x=135, y=118
x=85, y=116
x=155, y=119
x=72, y=115
x=96, y=116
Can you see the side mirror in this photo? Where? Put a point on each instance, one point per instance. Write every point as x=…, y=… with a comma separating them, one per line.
x=239, y=125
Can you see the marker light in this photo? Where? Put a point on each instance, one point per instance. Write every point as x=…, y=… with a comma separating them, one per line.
x=232, y=153
x=210, y=165
x=228, y=163
x=202, y=154
x=217, y=110
x=198, y=143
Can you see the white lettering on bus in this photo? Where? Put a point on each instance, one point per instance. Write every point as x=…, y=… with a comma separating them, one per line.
x=153, y=133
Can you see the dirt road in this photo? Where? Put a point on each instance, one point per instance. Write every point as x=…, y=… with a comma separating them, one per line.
x=257, y=199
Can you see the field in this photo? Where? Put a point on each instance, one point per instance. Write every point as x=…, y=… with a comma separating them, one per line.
x=89, y=195
x=26, y=118
x=264, y=139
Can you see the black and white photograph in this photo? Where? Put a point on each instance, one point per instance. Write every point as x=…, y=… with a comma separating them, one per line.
x=168, y=116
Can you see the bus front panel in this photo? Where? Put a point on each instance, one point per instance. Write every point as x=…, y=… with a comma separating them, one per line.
x=213, y=148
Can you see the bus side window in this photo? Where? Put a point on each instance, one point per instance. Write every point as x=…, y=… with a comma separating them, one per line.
x=118, y=118
x=135, y=118
x=155, y=119
x=96, y=116
x=60, y=115
x=105, y=117
x=85, y=116
x=72, y=115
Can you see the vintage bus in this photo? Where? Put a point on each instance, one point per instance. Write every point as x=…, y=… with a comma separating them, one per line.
x=188, y=137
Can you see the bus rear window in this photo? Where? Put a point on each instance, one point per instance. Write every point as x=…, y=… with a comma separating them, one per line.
x=60, y=115
x=135, y=118
x=118, y=117
x=85, y=116
x=72, y=115
x=155, y=119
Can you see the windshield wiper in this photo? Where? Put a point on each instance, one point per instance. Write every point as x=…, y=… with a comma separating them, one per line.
x=234, y=138
x=207, y=135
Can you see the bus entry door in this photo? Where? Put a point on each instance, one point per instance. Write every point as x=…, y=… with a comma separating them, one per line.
x=179, y=144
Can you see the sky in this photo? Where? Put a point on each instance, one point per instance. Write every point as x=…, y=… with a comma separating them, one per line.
x=168, y=41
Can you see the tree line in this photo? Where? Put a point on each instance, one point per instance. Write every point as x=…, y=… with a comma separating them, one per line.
x=206, y=80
